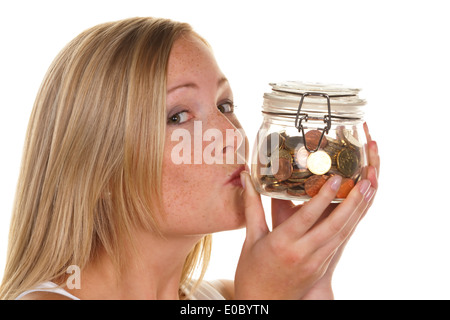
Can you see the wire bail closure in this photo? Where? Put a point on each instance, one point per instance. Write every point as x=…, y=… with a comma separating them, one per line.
x=304, y=117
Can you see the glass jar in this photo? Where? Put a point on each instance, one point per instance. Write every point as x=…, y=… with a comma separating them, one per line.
x=310, y=132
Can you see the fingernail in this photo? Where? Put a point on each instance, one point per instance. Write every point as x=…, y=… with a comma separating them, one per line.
x=335, y=182
x=366, y=130
x=364, y=186
x=243, y=179
x=366, y=127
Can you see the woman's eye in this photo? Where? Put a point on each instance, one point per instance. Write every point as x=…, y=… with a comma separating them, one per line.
x=226, y=107
x=178, y=118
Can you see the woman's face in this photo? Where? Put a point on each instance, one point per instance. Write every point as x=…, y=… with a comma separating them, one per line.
x=202, y=192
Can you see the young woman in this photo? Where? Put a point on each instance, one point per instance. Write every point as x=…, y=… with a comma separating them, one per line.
x=99, y=189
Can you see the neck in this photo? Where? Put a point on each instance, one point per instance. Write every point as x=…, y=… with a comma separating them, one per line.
x=151, y=271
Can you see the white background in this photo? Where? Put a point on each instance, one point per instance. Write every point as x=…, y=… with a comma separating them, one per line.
x=397, y=51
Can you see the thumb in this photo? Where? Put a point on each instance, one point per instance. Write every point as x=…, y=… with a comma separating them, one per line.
x=255, y=219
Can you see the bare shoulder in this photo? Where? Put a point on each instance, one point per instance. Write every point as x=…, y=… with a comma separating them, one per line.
x=42, y=295
x=225, y=287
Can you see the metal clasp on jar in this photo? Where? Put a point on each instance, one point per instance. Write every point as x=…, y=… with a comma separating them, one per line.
x=300, y=117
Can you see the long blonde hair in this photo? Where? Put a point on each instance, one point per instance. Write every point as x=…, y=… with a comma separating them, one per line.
x=92, y=162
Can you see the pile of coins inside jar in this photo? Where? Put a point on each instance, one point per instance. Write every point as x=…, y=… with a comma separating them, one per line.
x=290, y=168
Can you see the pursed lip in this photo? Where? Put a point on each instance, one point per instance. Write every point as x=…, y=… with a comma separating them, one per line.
x=235, y=177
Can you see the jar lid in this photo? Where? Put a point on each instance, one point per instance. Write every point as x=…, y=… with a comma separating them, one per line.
x=286, y=96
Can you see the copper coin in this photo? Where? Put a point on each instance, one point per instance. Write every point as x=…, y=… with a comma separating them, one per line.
x=275, y=187
x=345, y=188
x=314, y=183
x=281, y=164
x=295, y=184
x=296, y=192
x=283, y=170
x=312, y=139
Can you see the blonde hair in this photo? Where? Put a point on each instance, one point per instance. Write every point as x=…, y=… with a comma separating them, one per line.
x=92, y=162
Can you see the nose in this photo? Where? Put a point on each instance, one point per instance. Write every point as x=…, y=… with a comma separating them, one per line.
x=231, y=150
x=234, y=150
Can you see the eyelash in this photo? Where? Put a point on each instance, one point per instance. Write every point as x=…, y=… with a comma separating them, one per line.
x=175, y=118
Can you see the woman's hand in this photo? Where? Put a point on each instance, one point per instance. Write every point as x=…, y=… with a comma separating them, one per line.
x=296, y=260
x=322, y=289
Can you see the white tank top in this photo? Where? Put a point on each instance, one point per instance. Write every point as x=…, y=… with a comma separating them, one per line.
x=48, y=287
x=205, y=291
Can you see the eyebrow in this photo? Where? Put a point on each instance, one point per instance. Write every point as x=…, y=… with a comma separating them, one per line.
x=220, y=83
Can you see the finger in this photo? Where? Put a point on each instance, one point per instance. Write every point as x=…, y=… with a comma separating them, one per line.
x=300, y=222
x=338, y=219
x=374, y=158
x=372, y=175
x=370, y=195
x=342, y=237
x=254, y=213
x=366, y=131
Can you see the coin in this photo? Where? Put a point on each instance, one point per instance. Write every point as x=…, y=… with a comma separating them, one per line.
x=319, y=162
x=332, y=149
x=295, y=180
x=314, y=183
x=301, y=156
x=312, y=139
x=296, y=192
x=281, y=164
x=291, y=170
x=275, y=187
x=347, y=162
x=292, y=143
x=351, y=140
x=284, y=170
x=268, y=179
x=300, y=174
x=347, y=185
x=295, y=184
x=281, y=154
x=340, y=134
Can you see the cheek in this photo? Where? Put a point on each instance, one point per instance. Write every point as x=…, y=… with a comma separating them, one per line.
x=195, y=198
x=186, y=190
x=181, y=187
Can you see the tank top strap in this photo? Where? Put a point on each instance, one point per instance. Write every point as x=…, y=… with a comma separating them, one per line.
x=48, y=287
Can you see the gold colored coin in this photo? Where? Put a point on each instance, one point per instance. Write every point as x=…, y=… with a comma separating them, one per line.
x=347, y=162
x=319, y=162
x=350, y=139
